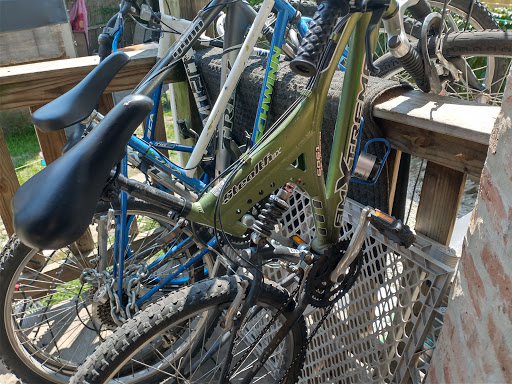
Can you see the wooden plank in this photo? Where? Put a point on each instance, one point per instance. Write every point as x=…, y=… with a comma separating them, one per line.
x=106, y=103
x=32, y=45
x=440, y=199
x=51, y=143
x=447, y=115
x=393, y=166
x=160, y=134
x=33, y=84
x=463, y=155
x=8, y=184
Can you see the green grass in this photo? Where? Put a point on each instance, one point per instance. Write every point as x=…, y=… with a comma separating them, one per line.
x=24, y=150
x=24, y=147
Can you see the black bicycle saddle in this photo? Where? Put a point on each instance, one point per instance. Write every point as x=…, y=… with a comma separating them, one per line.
x=78, y=103
x=55, y=207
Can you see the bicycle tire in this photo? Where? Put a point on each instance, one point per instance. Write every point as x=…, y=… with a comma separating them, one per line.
x=305, y=7
x=471, y=45
x=481, y=19
x=39, y=350
x=176, y=311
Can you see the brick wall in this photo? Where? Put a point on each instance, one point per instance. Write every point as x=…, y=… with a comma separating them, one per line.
x=475, y=345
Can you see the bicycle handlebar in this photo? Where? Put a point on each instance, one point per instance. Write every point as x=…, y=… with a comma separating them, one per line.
x=420, y=10
x=320, y=28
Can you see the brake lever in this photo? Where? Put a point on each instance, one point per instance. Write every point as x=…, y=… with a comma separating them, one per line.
x=377, y=14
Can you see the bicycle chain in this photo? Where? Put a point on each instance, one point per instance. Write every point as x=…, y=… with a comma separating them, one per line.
x=308, y=340
x=99, y=279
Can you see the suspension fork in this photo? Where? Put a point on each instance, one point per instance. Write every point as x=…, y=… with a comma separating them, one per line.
x=277, y=338
x=254, y=291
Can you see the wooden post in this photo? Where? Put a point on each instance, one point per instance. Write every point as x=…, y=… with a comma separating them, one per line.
x=188, y=9
x=106, y=103
x=393, y=166
x=160, y=133
x=51, y=143
x=440, y=199
x=8, y=184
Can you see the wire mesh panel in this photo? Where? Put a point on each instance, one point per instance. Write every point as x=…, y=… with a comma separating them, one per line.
x=384, y=330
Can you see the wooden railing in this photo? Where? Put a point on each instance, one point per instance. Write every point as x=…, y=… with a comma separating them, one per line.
x=451, y=134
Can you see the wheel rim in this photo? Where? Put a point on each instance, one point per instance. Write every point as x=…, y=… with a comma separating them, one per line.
x=490, y=71
x=180, y=360
x=48, y=313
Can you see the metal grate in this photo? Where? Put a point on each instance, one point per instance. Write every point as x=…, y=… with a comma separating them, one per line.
x=385, y=329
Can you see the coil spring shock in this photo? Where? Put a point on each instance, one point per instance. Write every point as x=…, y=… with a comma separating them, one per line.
x=274, y=209
x=411, y=61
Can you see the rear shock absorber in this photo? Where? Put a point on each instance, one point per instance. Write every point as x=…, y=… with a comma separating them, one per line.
x=270, y=215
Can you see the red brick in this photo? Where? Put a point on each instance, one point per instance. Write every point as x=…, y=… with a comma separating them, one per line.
x=458, y=350
x=508, y=166
x=474, y=281
x=447, y=369
x=470, y=330
x=492, y=199
x=503, y=353
x=499, y=277
x=431, y=375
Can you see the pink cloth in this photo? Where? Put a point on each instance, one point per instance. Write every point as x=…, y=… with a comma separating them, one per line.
x=78, y=18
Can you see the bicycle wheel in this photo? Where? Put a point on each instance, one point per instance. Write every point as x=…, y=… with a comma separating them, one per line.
x=51, y=321
x=489, y=71
x=178, y=339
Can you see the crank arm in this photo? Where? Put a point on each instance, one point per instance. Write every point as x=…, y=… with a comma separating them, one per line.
x=390, y=227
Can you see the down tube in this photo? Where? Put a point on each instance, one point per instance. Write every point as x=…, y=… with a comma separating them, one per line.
x=347, y=129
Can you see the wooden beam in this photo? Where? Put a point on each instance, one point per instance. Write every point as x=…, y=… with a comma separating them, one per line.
x=33, y=84
x=51, y=143
x=463, y=155
x=8, y=184
x=449, y=131
x=160, y=134
x=440, y=199
x=106, y=103
x=393, y=167
x=445, y=115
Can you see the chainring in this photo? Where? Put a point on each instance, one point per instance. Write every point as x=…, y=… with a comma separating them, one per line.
x=320, y=291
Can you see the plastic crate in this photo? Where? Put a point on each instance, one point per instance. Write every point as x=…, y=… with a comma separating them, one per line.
x=385, y=329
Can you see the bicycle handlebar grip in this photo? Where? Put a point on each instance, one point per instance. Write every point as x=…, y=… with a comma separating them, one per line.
x=104, y=46
x=317, y=36
x=420, y=10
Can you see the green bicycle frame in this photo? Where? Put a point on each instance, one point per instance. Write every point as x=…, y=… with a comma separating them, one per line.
x=292, y=151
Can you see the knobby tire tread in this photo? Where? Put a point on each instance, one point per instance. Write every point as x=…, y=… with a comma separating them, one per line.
x=170, y=309
x=13, y=255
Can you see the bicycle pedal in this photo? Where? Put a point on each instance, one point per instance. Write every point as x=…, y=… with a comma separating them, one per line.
x=392, y=228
